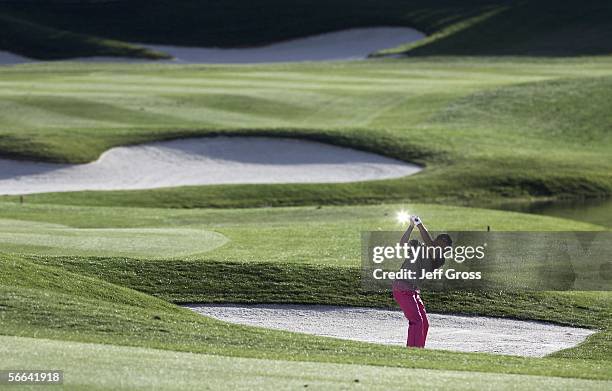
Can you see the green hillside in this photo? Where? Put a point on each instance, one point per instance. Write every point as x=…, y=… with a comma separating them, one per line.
x=484, y=128
x=482, y=27
x=127, y=302
x=505, y=101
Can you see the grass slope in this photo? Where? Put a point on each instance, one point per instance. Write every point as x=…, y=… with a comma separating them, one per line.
x=484, y=128
x=49, y=302
x=467, y=28
x=95, y=366
x=41, y=42
x=293, y=258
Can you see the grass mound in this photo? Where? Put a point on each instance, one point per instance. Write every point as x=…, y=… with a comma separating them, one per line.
x=49, y=302
x=483, y=128
x=41, y=42
x=572, y=109
x=483, y=27
x=263, y=262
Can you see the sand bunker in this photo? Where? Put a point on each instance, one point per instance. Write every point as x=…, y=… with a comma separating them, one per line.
x=449, y=332
x=351, y=44
x=203, y=161
x=8, y=58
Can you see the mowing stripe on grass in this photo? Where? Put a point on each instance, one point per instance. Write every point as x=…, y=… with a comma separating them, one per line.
x=88, y=366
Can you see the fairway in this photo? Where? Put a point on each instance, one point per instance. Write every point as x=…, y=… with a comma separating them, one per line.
x=304, y=235
x=83, y=364
x=73, y=113
x=126, y=255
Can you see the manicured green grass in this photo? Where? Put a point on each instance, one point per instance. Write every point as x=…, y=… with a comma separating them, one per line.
x=208, y=280
x=49, y=302
x=484, y=128
x=279, y=255
x=92, y=366
x=547, y=28
x=323, y=236
x=57, y=239
x=42, y=42
x=595, y=211
x=482, y=27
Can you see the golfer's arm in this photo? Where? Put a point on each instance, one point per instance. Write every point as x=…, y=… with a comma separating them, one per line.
x=425, y=235
x=406, y=237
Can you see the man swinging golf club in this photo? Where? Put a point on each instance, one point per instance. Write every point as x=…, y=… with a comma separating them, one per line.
x=406, y=291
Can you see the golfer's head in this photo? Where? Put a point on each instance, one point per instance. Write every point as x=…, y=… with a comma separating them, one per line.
x=443, y=240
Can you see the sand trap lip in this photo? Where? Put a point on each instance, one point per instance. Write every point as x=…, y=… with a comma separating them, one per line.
x=203, y=161
x=8, y=58
x=350, y=44
x=448, y=332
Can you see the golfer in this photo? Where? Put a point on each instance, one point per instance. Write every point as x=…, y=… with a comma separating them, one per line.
x=406, y=291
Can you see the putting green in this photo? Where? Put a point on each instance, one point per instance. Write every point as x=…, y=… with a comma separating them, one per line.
x=56, y=239
x=94, y=366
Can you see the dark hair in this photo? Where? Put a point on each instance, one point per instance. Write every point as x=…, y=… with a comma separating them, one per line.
x=446, y=237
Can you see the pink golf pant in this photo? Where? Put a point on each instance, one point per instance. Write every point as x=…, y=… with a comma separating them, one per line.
x=410, y=302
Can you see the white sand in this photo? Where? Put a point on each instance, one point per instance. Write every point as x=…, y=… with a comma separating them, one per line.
x=350, y=44
x=203, y=161
x=8, y=58
x=448, y=332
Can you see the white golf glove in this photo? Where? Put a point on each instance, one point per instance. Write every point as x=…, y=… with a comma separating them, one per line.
x=415, y=219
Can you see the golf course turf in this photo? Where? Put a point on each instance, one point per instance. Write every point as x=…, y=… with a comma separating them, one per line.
x=87, y=298
x=515, y=124
x=119, y=367
x=91, y=281
x=480, y=27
